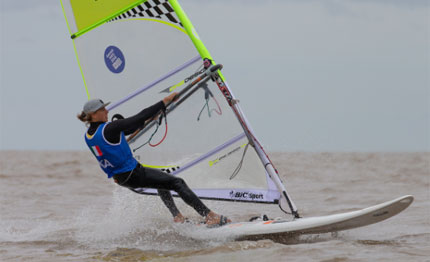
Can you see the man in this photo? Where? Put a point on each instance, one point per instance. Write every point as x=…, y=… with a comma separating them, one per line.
x=108, y=143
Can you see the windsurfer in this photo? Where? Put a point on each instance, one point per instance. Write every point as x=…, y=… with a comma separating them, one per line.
x=108, y=143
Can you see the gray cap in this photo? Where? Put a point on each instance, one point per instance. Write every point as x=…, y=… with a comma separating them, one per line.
x=93, y=105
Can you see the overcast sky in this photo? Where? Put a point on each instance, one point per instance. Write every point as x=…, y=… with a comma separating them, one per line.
x=311, y=75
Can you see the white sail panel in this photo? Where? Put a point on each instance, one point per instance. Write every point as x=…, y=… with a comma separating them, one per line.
x=143, y=48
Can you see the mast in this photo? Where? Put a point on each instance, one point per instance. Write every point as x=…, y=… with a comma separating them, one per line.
x=233, y=102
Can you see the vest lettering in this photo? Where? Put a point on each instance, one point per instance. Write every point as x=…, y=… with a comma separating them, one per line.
x=104, y=163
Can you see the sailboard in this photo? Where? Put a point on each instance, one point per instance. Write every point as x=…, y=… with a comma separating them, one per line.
x=278, y=229
x=134, y=53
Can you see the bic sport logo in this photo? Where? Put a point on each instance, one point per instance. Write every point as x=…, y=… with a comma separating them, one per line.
x=245, y=195
x=114, y=59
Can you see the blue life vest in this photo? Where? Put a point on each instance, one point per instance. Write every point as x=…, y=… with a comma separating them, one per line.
x=113, y=158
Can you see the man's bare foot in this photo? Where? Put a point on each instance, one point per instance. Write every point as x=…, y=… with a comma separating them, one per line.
x=179, y=218
x=215, y=219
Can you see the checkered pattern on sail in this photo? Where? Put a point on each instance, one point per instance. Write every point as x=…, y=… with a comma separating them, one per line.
x=160, y=9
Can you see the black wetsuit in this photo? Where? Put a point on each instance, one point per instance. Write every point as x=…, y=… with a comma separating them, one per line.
x=142, y=177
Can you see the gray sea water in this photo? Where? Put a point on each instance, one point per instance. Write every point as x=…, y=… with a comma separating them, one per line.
x=59, y=206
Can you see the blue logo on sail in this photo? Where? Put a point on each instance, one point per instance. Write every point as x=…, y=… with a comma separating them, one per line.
x=114, y=59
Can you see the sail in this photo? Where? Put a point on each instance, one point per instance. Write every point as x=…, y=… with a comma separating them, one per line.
x=134, y=53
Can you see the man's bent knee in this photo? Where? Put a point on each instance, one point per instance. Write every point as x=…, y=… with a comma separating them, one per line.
x=179, y=183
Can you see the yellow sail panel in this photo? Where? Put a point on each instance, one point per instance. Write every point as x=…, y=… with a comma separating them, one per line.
x=90, y=12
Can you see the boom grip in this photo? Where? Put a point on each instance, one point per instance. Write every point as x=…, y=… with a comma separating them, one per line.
x=215, y=68
x=182, y=95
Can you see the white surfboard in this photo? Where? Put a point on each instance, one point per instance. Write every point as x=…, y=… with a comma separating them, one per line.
x=313, y=225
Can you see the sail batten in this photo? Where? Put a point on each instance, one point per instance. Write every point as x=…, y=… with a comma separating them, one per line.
x=155, y=82
x=210, y=153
